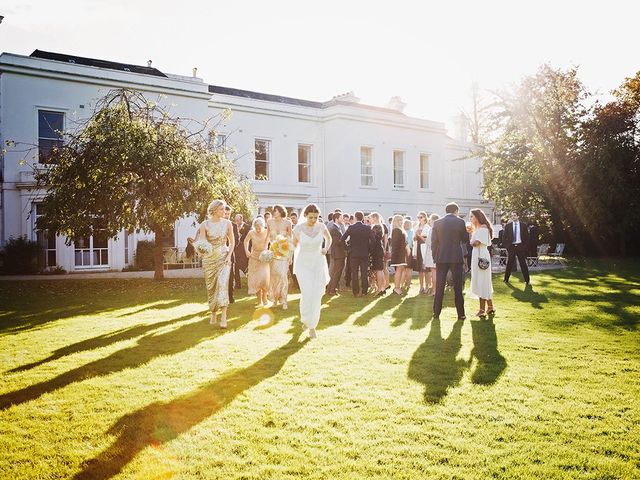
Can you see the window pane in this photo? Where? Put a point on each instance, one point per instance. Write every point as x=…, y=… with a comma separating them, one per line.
x=82, y=242
x=86, y=258
x=398, y=169
x=261, y=170
x=45, y=147
x=51, y=258
x=261, y=148
x=78, y=257
x=50, y=124
x=366, y=166
x=424, y=171
x=303, y=173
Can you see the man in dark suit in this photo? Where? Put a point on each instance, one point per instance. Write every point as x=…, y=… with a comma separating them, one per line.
x=338, y=252
x=448, y=239
x=236, y=236
x=241, y=261
x=533, y=240
x=358, y=237
x=516, y=241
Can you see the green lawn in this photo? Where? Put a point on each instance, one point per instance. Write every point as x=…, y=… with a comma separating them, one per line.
x=126, y=378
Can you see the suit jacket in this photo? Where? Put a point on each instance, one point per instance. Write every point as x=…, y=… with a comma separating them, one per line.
x=360, y=237
x=448, y=239
x=242, y=232
x=338, y=249
x=507, y=238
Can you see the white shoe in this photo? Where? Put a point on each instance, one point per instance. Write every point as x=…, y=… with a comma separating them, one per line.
x=284, y=305
x=312, y=333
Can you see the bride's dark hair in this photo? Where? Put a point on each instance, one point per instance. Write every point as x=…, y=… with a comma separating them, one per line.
x=311, y=208
x=482, y=220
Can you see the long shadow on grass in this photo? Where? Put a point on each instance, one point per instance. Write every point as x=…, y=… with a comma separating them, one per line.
x=418, y=309
x=162, y=422
x=147, y=348
x=434, y=363
x=99, y=342
x=528, y=295
x=27, y=305
x=491, y=363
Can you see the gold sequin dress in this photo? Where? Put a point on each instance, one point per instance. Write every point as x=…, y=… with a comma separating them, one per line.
x=216, y=273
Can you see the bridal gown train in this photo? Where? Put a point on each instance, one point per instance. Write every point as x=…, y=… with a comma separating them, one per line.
x=310, y=267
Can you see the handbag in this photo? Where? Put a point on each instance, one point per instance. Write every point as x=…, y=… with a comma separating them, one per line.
x=483, y=263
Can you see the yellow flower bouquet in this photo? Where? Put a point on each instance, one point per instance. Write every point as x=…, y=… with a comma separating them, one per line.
x=282, y=247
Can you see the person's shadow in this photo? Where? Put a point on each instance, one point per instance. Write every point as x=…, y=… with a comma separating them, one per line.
x=146, y=349
x=434, y=363
x=528, y=295
x=162, y=422
x=491, y=363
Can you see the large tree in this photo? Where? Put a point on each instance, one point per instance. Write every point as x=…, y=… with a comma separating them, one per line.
x=132, y=166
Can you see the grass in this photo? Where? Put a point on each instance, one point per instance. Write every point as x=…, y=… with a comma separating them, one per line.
x=107, y=378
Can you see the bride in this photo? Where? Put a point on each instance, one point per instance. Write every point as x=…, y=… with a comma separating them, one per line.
x=310, y=266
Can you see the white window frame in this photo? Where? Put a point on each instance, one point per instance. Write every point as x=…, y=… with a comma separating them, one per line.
x=421, y=171
x=42, y=108
x=403, y=185
x=309, y=164
x=268, y=161
x=367, y=175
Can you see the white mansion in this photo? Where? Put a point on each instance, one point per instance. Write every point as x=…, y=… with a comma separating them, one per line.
x=338, y=153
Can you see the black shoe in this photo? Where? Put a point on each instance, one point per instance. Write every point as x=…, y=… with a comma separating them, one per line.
x=435, y=317
x=506, y=280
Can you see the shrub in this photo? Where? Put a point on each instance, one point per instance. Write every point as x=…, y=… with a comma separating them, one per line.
x=19, y=256
x=144, y=255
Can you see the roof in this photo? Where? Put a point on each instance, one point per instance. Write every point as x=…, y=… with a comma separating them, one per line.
x=235, y=92
x=93, y=62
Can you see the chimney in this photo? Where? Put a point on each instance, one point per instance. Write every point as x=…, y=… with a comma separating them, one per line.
x=347, y=97
x=397, y=104
x=195, y=72
x=149, y=62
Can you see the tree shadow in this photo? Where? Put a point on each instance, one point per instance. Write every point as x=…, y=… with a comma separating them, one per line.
x=528, y=295
x=146, y=349
x=161, y=422
x=100, y=342
x=27, y=305
x=491, y=364
x=418, y=309
x=434, y=363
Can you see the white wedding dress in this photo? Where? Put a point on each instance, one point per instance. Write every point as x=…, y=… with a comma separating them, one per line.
x=310, y=267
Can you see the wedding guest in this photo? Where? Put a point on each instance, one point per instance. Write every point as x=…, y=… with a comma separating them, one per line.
x=398, y=252
x=346, y=217
x=422, y=229
x=236, y=236
x=279, y=274
x=217, y=263
x=293, y=217
x=241, y=261
x=448, y=237
x=358, y=236
x=516, y=242
x=267, y=216
x=427, y=255
x=481, y=284
x=259, y=272
x=377, y=258
x=337, y=251
x=377, y=220
x=407, y=226
x=533, y=240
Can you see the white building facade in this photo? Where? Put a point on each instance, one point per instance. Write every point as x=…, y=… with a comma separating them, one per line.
x=339, y=153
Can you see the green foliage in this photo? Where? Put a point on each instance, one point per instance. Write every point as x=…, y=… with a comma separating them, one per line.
x=19, y=256
x=134, y=167
x=144, y=255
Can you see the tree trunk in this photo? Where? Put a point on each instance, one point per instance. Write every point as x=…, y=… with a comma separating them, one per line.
x=158, y=256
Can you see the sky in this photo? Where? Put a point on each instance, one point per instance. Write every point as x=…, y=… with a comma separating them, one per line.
x=428, y=53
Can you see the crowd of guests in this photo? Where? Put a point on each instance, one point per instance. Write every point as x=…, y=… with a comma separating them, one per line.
x=363, y=250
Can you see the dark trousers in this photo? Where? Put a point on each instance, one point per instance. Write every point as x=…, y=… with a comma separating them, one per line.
x=233, y=267
x=360, y=264
x=236, y=275
x=441, y=281
x=347, y=272
x=519, y=251
x=335, y=272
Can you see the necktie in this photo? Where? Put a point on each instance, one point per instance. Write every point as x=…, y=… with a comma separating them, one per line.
x=515, y=232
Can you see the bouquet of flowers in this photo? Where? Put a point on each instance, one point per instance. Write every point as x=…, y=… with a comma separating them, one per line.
x=203, y=247
x=266, y=256
x=282, y=247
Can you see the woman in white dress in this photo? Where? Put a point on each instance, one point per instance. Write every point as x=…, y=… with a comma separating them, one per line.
x=481, y=285
x=428, y=265
x=310, y=266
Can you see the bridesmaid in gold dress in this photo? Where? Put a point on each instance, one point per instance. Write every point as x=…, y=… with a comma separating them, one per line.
x=217, y=265
x=279, y=282
x=258, y=271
